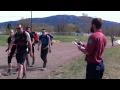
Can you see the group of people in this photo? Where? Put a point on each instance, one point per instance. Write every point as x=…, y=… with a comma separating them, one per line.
x=22, y=43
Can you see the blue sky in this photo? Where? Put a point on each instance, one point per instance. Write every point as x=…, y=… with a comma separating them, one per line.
x=17, y=15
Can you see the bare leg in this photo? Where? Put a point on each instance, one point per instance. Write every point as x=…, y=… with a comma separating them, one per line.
x=20, y=71
x=24, y=71
x=33, y=59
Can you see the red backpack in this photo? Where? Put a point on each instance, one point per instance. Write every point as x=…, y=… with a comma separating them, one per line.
x=36, y=37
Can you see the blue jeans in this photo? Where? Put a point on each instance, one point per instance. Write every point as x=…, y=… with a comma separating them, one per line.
x=95, y=71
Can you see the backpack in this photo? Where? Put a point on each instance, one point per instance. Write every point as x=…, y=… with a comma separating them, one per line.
x=44, y=40
x=36, y=37
x=21, y=41
x=51, y=38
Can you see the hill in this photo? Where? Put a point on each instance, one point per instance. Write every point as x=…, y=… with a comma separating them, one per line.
x=82, y=21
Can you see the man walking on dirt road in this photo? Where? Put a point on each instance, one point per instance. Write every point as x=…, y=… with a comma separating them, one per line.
x=11, y=52
x=45, y=42
x=22, y=40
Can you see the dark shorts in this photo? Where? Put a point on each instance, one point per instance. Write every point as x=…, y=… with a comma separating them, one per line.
x=94, y=71
x=21, y=57
x=44, y=53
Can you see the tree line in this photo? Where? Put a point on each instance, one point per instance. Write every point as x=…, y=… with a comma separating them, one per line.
x=64, y=27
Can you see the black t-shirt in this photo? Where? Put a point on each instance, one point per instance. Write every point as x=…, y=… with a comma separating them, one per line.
x=9, y=41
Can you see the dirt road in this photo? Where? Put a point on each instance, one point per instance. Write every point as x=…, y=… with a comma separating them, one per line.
x=61, y=53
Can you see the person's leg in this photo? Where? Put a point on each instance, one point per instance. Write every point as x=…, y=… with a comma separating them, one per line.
x=101, y=71
x=24, y=71
x=91, y=71
x=95, y=71
x=88, y=72
x=24, y=66
x=27, y=60
x=10, y=56
x=33, y=50
x=18, y=57
x=112, y=43
x=44, y=53
x=21, y=59
x=20, y=71
x=9, y=64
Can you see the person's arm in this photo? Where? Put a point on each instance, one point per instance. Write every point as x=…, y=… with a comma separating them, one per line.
x=11, y=43
x=8, y=47
x=33, y=40
x=39, y=42
x=82, y=49
x=29, y=43
x=8, y=41
x=89, y=48
x=49, y=44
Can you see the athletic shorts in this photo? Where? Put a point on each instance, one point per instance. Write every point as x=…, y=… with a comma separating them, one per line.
x=21, y=57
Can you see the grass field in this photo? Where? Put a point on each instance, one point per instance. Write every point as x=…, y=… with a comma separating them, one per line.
x=3, y=40
x=77, y=69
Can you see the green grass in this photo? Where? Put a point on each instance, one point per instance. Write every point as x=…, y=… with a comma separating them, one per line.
x=70, y=38
x=74, y=70
x=3, y=40
x=77, y=68
x=112, y=63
